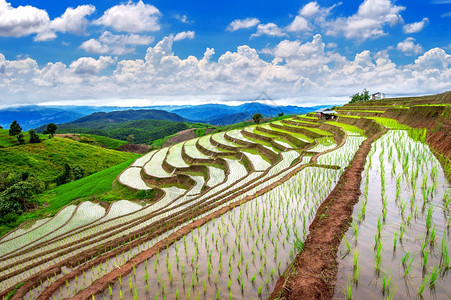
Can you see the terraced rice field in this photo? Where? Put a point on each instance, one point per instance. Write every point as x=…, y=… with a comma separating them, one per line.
x=231, y=212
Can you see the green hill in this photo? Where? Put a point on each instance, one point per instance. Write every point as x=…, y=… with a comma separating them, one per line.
x=144, y=131
x=46, y=160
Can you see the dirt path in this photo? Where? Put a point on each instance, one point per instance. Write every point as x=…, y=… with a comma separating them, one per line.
x=312, y=274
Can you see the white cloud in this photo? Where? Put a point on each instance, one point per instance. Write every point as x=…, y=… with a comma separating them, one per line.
x=299, y=24
x=435, y=58
x=117, y=44
x=243, y=24
x=73, y=20
x=183, y=18
x=408, y=47
x=310, y=9
x=446, y=15
x=21, y=21
x=184, y=35
x=131, y=17
x=300, y=71
x=89, y=65
x=415, y=27
x=368, y=22
x=270, y=29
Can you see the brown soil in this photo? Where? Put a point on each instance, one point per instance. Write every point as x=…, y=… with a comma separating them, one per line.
x=312, y=275
x=134, y=148
x=72, y=136
x=181, y=136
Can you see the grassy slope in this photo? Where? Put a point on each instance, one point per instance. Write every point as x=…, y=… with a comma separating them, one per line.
x=7, y=141
x=100, y=186
x=46, y=159
x=99, y=140
x=144, y=131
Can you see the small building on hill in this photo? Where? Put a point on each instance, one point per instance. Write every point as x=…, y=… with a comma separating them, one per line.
x=377, y=96
x=326, y=114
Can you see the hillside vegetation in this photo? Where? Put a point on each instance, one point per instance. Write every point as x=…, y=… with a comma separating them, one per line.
x=143, y=131
x=46, y=159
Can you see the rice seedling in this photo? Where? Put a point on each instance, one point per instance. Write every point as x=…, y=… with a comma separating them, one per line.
x=355, y=276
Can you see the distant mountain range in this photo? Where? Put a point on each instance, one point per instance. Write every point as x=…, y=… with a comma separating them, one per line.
x=34, y=116
x=220, y=114
x=215, y=114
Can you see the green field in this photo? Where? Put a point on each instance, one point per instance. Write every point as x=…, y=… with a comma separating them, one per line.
x=46, y=160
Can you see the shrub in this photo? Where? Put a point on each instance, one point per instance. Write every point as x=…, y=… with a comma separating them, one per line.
x=34, y=137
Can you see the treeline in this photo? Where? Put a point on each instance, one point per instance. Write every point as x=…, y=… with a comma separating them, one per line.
x=143, y=131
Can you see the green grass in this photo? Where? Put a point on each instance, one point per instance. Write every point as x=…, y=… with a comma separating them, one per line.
x=160, y=142
x=309, y=117
x=233, y=126
x=99, y=140
x=297, y=135
x=389, y=123
x=347, y=127
x=326, y=141
x=7, y=141
x=46, y=160
x=348, y=116
x=200, y=131
x=319, y=131
x=438, y=104
x=362, y=111
x=303, y=122
x=100, y=186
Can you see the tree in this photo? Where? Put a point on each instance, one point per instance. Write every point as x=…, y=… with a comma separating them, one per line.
x=77, y=172
x=20, y=139
x=50, y=129
x=364, y=96
x=130, y=138
x=34, y=137
x=280, y=114
x=257, y=118
x=14, y=128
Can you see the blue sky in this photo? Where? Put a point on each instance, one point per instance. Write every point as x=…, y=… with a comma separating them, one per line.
x=184, y=52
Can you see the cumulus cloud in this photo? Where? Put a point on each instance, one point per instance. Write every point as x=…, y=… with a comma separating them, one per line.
x=21, y=21
x=270, y=29
x=184, y=35
x=369, y=21
x=117, y=44
x=26, y=20
x=299, y=24
x=73, y=20
x=298, y=70
x=415, y=27
x=131, y=17
x=89, y=65
x=408, y=47
x=310, y=9
x=243, y=24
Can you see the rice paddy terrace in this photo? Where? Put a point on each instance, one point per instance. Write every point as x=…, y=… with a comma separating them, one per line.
x=232, y=210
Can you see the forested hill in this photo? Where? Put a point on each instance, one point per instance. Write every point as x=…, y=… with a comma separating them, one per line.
x=131, y=115
x=144, y=125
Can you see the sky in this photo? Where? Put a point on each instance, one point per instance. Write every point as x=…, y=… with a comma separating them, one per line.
x=174, y=52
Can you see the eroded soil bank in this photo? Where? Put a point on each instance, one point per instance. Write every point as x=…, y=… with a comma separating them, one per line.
x=312, y=274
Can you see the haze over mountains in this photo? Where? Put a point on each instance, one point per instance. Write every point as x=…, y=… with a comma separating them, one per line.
x=216, y=114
